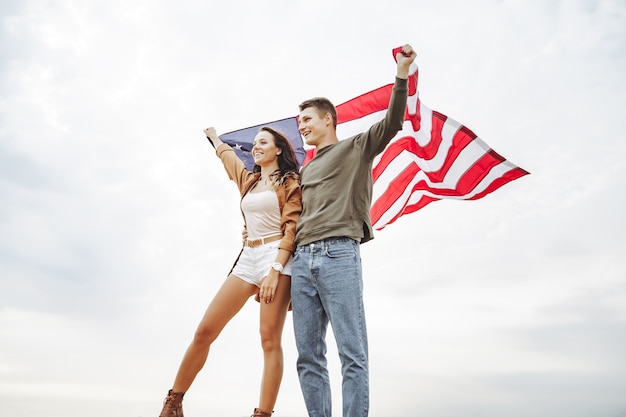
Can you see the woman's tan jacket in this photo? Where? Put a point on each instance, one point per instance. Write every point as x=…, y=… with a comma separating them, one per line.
x=288, y=193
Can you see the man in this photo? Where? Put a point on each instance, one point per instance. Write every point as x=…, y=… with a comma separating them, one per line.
x=327, y=284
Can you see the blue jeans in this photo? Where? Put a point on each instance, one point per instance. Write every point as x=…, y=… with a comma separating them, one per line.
x=327, y=286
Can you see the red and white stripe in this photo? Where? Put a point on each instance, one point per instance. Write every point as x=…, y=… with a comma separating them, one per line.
x=433, y=157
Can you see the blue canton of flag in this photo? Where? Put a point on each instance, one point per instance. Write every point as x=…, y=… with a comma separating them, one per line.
x=241, y=140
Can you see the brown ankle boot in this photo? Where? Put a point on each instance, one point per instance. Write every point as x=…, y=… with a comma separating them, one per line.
x=260, y=413
x=173, y=405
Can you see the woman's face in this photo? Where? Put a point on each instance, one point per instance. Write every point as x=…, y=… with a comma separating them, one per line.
x=264, y=150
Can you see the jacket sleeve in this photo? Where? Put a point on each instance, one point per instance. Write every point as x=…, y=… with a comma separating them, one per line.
x=290, y=215
x=377, y=137
x=235, y=168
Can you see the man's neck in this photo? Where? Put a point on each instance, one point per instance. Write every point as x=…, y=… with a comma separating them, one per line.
x=329, y=140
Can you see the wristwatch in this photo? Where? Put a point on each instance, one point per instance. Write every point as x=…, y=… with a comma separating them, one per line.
x=276, y=266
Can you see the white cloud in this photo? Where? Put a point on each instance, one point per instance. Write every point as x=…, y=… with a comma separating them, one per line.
x=117, y=223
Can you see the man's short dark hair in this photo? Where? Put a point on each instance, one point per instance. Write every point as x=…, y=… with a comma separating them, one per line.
x=323, y=106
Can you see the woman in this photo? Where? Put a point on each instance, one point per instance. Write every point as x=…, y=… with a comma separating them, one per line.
x=271, y=204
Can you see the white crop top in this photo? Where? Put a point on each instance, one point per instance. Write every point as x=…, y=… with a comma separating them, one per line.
x=261, y=213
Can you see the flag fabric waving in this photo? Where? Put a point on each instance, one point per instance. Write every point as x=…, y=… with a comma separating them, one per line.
x=433, y=157
x=241, y=140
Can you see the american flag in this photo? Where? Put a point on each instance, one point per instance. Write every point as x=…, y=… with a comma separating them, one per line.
x=241, y=140
x=433, y=157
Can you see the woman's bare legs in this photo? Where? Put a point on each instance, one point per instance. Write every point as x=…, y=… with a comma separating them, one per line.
x=227, y=302
x=271, y=326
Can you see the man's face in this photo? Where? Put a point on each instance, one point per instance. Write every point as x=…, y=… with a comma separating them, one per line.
x=312, y=126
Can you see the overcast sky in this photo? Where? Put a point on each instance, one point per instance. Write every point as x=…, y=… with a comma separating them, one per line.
x=118, y=224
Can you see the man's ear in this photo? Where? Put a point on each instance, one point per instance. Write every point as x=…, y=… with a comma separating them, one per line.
x=328, y=119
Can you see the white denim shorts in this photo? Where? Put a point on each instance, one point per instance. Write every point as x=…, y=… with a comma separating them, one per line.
x=254, y=264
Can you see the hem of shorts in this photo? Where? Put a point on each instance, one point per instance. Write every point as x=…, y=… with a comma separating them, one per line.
x=249, y=281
